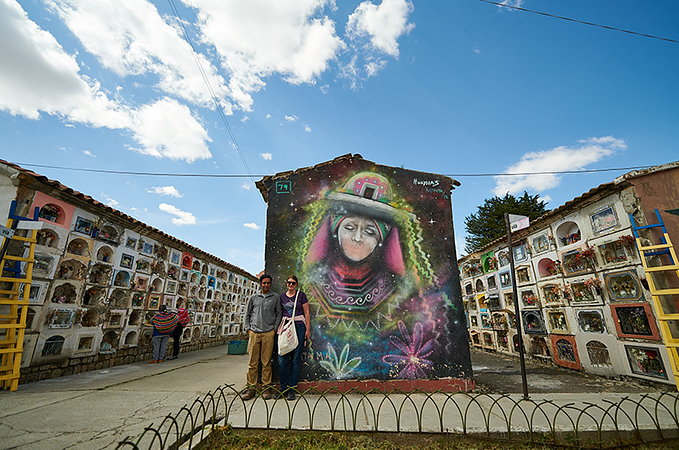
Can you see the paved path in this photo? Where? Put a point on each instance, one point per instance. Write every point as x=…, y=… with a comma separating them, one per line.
x=95, y=410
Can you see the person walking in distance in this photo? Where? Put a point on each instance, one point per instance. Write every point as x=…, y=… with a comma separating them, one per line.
x=179, y=329
x=163, y=323
x=263, y=314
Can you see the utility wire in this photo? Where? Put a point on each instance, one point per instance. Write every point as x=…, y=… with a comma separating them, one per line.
x=194, y=53
x=580, y=21
x=250, y=175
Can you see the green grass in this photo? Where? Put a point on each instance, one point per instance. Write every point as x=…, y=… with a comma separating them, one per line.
x=228, y=438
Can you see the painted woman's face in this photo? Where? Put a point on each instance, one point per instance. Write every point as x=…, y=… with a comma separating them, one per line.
x=358, y=237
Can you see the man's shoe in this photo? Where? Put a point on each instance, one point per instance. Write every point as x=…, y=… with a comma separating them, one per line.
x=249, y=393
x=154, y=361
x=267, y=394
x=278, y=395
x=171, y=357
x=290, y=396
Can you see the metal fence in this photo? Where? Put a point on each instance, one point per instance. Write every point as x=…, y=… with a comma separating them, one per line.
x=612, y=421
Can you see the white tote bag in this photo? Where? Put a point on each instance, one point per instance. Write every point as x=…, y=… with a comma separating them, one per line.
x=287, y=333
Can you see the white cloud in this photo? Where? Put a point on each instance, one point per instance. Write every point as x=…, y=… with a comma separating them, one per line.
x=167, y=129
x=109, y=201
x=373, y=67
x=245, y=119
x=324, y=89
x=38, y=76
x=266, y=156
x=69, y=125
x=382, y=24
x=259, y=38
x=292, y=118
x=476, y=50
x=307, y=128
x=516, y=3
x=165, y=191
x=252, y=226
x=130, y=37
x=88, y=153
x=545, y=198
x=268, y=116
x=246, y=186
x=183, y=217
x=557, y=159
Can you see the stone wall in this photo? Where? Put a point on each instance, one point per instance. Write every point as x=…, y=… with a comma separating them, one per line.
x=100, y=361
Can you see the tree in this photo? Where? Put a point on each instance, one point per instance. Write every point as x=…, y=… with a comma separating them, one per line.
x=488, y=223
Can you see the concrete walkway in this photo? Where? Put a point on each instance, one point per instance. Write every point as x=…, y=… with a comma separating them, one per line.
x=95, y=410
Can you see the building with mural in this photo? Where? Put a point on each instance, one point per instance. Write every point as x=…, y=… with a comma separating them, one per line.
x=583, y=289
x=100, y=275
x=374, y=250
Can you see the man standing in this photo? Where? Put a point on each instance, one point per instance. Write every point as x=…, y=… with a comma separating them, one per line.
x=262, y=317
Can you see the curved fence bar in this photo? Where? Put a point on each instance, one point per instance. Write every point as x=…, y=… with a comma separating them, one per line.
x=557, y=419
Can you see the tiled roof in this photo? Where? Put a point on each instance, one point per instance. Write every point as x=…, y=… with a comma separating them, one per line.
x=87, y=199
x=547, y=217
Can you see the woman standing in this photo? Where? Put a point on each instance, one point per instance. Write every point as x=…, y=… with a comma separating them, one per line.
x=289, y=364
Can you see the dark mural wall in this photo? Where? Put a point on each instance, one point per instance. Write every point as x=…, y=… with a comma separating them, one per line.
x=374, y=251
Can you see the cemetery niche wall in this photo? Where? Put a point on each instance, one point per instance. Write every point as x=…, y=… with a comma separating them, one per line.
x=374, y=250
x=100, y=276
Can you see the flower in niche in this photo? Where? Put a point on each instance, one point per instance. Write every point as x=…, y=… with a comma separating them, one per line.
x=412, y=363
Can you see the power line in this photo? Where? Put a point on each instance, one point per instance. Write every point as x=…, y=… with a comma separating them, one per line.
x=250, y=175
x=580, y=21
x=212, y=93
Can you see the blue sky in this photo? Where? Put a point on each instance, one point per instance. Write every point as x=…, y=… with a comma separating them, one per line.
x=446, y=87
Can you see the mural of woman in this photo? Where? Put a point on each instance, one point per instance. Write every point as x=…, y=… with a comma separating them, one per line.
x=355, y=260
x=362, y=262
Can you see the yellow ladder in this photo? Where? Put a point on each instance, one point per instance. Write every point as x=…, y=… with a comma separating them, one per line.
x=667, y=312
x=14, y=294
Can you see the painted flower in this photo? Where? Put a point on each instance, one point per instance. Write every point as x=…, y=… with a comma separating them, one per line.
x=412, y=363
x=339, y=367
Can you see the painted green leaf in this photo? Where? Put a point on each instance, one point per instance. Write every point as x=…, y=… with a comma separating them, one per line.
x=344, y=356
x=330, y=367
x=333, y=355
x=352, y=364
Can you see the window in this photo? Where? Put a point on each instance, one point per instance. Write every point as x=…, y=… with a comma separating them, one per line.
x=598, y=355
x=591, y=321
x=565, y=351
x=557, y=321
x=603, y=219
x=529, y=298
x=622, y=286
x=612, y=252
x=47, y=238
x=541, y=244
x=646, y=361
x=51, y=213
x=633, y=320
x=520, y=253
x=53, y=346
x=532, y=322
x=83, y=226
x=568, y=233
x=505, y=280
x=523, y=275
